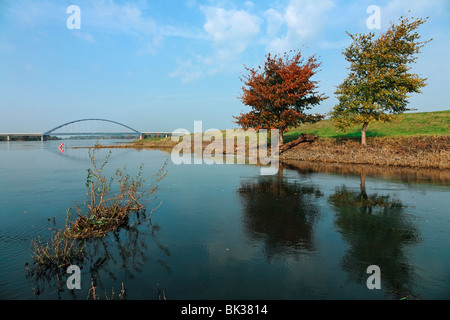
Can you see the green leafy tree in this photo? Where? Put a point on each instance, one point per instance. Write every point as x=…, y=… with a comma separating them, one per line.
x=379, y=82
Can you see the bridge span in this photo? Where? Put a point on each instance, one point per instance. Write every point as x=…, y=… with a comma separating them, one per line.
x=88, y=127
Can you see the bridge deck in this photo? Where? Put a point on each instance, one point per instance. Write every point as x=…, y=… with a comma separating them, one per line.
x=21, y=134
x=91, y=133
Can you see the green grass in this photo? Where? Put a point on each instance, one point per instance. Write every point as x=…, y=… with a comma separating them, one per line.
x=153, y=139
x=408, y=124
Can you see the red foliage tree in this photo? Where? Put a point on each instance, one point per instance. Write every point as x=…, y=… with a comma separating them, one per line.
x=279, y=93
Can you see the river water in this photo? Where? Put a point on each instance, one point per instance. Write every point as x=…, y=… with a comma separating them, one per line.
x=226, y=232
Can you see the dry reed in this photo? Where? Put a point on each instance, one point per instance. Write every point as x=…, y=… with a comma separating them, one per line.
x=104, y=212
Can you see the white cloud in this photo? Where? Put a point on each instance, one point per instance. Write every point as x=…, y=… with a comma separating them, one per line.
x=302, y=18
x=230, y=28
x=274, y=21
x=230, y=33
x=84, y=36
x=109, y=16
x=30, y=14
x=192, y=69
x=249, y=4
x=135, y=19
x=394, y=9
x=191, y=3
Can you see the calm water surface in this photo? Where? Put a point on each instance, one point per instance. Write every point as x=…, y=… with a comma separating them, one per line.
x=225, y=232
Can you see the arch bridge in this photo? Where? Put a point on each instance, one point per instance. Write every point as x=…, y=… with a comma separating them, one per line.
x=92, y=127
x=87, y=127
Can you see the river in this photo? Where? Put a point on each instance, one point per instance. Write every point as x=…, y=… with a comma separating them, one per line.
x=226, y=232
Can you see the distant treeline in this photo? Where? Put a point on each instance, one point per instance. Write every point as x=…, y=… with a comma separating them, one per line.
x=38, y=138
x=27, y=138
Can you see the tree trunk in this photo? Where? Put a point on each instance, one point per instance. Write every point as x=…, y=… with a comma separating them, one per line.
x=280, y=139
x=304, y=137
x=363, y=186
x=363, y=133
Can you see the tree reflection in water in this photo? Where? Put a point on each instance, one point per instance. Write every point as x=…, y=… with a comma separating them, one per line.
x=378, y=232
x=280, y=213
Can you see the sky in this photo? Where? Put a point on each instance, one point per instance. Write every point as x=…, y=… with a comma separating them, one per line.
x=161, y=65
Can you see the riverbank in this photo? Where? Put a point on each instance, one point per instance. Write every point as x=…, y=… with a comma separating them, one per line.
x=427, y=152
x=402, y=174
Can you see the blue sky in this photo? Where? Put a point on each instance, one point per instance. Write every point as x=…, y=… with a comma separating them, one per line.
x=161, y=65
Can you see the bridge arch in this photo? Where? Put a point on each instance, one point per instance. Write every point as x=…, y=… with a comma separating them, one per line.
x=49, y=132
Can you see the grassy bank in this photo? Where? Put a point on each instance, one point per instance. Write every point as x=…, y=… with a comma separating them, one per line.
x=415, y=140
x=163, y=143
x=408, y=124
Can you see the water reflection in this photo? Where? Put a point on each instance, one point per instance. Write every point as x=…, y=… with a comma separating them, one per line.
x=378, y=232
x=405, y=175
x=107, y=261
x=280, y=213
x=78, y=150
x=299, y=233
